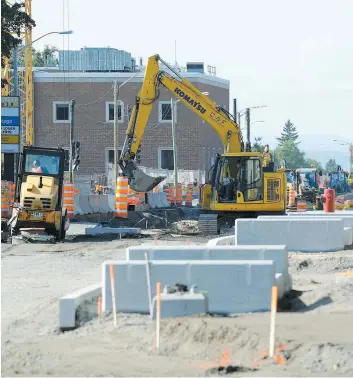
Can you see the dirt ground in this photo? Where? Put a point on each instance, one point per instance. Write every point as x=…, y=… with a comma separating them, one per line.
x=315, y=323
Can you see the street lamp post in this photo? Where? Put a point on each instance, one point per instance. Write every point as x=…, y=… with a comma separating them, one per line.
x=117, y=87
x=16, y=50
x=173, y=110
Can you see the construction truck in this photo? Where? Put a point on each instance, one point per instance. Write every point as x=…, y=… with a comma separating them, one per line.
x=239, y=183
x=39, y=194
x=338, y=180
x=308, y=187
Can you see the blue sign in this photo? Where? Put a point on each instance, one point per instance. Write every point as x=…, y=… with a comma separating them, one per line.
x=10, y=121
x=10, y=124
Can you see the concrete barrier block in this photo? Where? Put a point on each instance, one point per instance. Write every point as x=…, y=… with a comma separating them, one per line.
x=224, y=240
x=316, y=235
x=68, y=304
x=84, y=204
x=232, y=286
x=184, y=304
x=276, y=253
x=99, y=230
x=347, y=218
x=348, y=236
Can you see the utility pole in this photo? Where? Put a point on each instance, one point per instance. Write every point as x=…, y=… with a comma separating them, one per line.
x=71, y=136
x=172, y=110
x=248, y=142
x=235, y=109
x=116, y=145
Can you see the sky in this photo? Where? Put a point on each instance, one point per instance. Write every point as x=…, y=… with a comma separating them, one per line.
x=295, y=57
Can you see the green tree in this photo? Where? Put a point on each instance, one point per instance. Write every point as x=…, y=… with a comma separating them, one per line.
x=13, y=20
x=289, y=133
x=313, y=163
x=290, y=153
x=258, y=146
x=331, y=166
x=45, y=58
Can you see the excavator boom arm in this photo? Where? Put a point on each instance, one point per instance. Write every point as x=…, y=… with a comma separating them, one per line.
x=221, y=121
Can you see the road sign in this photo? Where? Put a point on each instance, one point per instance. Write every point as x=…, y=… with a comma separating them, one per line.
x=10, y=139
x=10, y=124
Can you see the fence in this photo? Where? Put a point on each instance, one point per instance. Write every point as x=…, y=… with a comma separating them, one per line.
x=85, y=183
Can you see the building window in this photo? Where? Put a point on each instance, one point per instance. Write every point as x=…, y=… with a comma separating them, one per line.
x=61, y=112
x=109, y=111
x=164, y=111
x=111, y=156
x=165, y=158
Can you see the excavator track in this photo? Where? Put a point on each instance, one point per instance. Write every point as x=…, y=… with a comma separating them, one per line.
x=208, y=224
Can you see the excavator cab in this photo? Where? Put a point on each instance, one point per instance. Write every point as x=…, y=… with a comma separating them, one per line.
x=238, y=179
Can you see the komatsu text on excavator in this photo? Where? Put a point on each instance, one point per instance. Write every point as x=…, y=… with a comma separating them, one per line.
x=240, y=184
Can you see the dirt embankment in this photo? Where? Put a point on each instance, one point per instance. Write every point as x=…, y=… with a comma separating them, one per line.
x=315, y=325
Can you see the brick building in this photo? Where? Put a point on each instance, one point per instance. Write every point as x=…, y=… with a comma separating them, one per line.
x=93, y=93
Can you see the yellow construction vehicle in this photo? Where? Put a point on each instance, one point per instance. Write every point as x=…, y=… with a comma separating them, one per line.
x=39, y=193
x=239, y=185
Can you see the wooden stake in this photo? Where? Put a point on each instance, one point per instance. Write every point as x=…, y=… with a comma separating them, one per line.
x=274, y=296
x=158, y=314
x=112, y=282
x=148, y=276
x=99, y=308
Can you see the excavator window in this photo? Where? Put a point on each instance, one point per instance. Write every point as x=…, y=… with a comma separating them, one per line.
x=239, y=175
x=42, y=164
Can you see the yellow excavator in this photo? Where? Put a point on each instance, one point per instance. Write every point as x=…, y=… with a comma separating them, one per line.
x=239, y=183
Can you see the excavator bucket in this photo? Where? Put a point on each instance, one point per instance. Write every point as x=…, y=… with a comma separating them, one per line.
x=138, y=180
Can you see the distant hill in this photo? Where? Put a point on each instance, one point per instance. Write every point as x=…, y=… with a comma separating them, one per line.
x=323, y=148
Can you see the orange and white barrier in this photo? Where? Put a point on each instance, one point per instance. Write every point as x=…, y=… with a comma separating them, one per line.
x=121, y=194
x=5, y=199
x=171, y=195
x=189, y=194
x=291, y=200
x=301, y=206
x=179, y=195
x=69, y=201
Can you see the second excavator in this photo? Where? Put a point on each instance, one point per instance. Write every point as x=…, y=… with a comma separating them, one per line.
x=241, y=183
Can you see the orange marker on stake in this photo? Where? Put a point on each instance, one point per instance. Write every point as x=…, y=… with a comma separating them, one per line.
x=274, y=297
x=158, y=314
x=112, y=282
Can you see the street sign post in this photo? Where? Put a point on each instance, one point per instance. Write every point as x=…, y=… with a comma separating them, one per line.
x=10, y=124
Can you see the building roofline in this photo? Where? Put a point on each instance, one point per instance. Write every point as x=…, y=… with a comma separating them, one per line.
x=54, y=76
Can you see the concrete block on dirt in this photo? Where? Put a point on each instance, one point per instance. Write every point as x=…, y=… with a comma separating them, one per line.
x=232, y=286
x=303, y=235
x=347, y=218
x=99, y=230
x=180, y=304
x=276, y=253
x=348, y=236
x=69, y=303
x=223, y=240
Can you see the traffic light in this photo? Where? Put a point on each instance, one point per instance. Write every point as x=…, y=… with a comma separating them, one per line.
x=76, y=159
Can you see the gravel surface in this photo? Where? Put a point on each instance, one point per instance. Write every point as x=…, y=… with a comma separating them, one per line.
x=315, y=323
